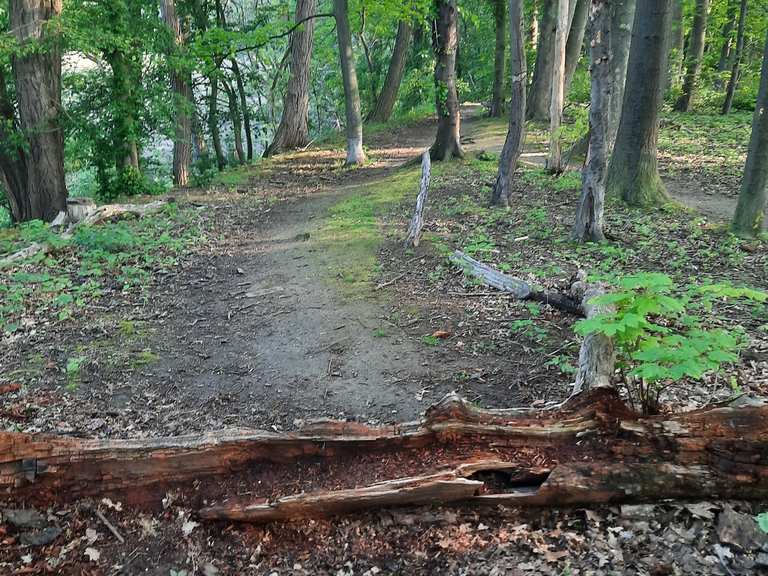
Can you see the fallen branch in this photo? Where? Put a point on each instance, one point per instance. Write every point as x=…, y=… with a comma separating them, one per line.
x=417, y=221
x=98, y=214
x=24, y=253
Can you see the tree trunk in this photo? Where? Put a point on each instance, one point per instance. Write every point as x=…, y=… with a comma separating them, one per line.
x=293, y=130
x=181, y=85
x=589, y=214
x=540, y=94
x=513, y=144
x=236, y=119
x=244, y=110
x=213, y=119
x=750, y=210
x=694, y=56
x=446, y=40
x=676, y=46
x=38, y=91
x=738, y=52
x=726, y=50
x=500, y=19
x=622, y=18
x=554, y=160
x=354, y=127
x=13, y=159
x=633, y=173
x=575, y=40
x=385, y=103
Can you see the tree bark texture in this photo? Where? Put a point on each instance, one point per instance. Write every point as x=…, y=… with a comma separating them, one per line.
x=446, y=41
x=575, y=40
x=591, y=449
x=387, y=99
x=236, y=119
x=694, y=56
x=541, y=86
x=293, y=130
x=244, y=109
x=676, y=46
x=622, y=18
x=633, y=173
x=13, y=158
x=354, y=122
x=37, y=75
x=499, y=58
x=733, y=80
x=750, y=210
x=413, y=237
x=726, y=34
x=513, y=144
x=181, y=85
x=557, y=101
x=213, y=119
x=589, y=213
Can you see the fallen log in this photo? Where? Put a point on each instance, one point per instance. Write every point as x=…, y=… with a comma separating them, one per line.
x=591, y=449
x=92, y=214
x=417, y=221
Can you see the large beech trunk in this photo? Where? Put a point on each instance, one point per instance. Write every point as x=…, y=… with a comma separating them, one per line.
x=633, y=173
x=589, y=450
x=589, y=214
x=513, y=144
x=694, y=56
x=446, y=43
x=497, y=97
x=181, y=85
x=38, y=91
x=750, y=210
x=293, y=131
x=354, y=122
x=387, y=99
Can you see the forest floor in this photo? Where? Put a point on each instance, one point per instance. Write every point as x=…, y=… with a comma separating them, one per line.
x=283, y=294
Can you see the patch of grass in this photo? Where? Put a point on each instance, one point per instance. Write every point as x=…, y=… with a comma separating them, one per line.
x=73, y=371
x=379, y=333
x=144, y=358
x=429, y=340
x=351, y=235
x=233, y=177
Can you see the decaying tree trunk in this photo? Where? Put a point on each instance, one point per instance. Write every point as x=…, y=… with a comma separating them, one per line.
x=513, y=144
x=293, y=131
x=387, y=99
x=589, y=214
x=589, y=450
x=417, y=221
x=446, y=42
x=37, y=74
x=354, y=122
x=555, y=157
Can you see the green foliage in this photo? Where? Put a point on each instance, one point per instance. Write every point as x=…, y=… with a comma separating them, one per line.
x=658, y=329
x=73, y=370
x=429, y=340
x=762, y=521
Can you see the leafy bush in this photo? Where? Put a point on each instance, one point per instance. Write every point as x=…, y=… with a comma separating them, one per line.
x=659, y=331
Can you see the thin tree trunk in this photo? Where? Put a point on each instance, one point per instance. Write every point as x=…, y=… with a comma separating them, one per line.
x=124, y=134
x=236, y=119
x=354, y=128
x=676, y=46
x=622, y=19
x=750, y=210
x=13, y=159
x=181, y=86
x=293, y=130
x=244, y=110
x=540, y=95
x=633, y=174
x=513, y=145
x=694, y=56
x=38, y=91
x=575, y=40
x=554, y=161
x=385, y=103
x=726, y=50
x=589, y=214
x=500, y=19
x=738, y=52
x=533, y=30
x=446, y=40
x=213, y=120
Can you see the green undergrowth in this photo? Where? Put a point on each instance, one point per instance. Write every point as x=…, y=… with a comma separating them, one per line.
x=353, y=232
x=117, y=257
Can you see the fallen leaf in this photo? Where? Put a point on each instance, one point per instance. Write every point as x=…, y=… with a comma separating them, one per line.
x=442, y=334
x=93, y=554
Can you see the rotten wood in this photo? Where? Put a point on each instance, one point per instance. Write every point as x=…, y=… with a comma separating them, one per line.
x=417, y=221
